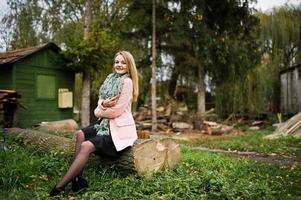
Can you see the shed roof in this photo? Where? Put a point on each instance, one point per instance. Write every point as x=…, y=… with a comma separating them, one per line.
x=15, y=55
x=290, y=68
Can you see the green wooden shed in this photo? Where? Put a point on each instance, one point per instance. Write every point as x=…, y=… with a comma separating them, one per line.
x=44, y=81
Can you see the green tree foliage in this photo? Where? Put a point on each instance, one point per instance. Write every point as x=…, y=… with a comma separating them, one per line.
x=280, y=37
x=95, y=52
x=234, y=51
x=23, y=20
x=63, y=23
x=220, y=38
x=281, y=34
x=215, y=37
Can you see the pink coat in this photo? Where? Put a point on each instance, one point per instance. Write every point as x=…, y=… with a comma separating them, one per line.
x=122, y=124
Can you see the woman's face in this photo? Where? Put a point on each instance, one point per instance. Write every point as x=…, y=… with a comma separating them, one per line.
x=120, y=66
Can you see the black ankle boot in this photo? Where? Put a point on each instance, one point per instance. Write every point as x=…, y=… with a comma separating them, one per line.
x=56, y=191
x=79, y=183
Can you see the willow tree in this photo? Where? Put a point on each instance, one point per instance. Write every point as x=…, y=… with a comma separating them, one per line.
x=280, y=35
x=22, y=20
x=234, y=51
x=281, y=32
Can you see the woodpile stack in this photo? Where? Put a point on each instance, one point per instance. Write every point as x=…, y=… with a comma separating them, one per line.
x=213, y=128
x=143, y=118
x=179, y=120
x=290, y=127
x=9, y=100
x=145, y=158
x=9, y=96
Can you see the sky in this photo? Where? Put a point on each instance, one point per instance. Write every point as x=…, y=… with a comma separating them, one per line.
x=266, y=5
x=263, y=5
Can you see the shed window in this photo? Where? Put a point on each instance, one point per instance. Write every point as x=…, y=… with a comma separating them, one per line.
x=45, y=86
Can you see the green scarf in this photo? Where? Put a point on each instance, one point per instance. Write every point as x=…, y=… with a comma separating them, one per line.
x=111, y=87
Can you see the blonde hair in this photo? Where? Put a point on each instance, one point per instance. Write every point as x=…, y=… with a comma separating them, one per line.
x=132, y=71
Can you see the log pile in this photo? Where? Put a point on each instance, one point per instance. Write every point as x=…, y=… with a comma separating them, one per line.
x=213, y=128
x=9, y=100
x=177, y=120
x=9, y=96
x=146, y=157
x=290, y=127
x=143, y=118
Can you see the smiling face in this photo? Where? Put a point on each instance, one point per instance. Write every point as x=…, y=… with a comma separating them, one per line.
x=120, y=66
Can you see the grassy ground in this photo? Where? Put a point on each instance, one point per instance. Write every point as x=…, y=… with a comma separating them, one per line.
x=255, y=141
x=28, y=174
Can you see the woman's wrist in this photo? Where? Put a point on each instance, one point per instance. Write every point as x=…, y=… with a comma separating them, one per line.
x=102, y=104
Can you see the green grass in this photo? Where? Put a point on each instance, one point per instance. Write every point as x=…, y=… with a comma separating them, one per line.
x=27, y=174
x=255, y=141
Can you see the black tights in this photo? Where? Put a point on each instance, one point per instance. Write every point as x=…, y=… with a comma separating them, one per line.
x=83, y=149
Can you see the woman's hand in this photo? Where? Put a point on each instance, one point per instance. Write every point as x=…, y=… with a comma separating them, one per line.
x=110, y=102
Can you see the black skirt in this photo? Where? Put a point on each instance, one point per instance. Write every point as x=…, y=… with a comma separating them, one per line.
x=103, y=143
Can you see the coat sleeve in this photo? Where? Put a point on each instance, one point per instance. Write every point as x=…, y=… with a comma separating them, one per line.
x=123, y=101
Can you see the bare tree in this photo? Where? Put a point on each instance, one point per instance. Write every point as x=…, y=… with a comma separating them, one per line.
x=154, y=57
x=86, y=90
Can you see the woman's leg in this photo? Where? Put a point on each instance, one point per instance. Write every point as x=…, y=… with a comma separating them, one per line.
x=81, y=159
x=80, y=138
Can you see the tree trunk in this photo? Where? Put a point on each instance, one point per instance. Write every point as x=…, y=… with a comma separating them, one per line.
x=173, y=82
x=88, y=17
x=201, y=91
x=201, y=97
x=42, y=141
x=85, y=104
x=145, y=158
x=154, y=57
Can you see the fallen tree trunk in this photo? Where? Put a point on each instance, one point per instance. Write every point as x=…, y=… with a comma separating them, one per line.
x=42, y=141
x=146, y=157
x=66, y=125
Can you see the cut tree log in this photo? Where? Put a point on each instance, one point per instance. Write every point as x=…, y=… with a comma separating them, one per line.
x=41, y=141
x=181, y=125
x=146, y=157
x=63, y=125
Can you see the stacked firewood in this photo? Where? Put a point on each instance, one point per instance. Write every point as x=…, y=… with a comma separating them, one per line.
x=290, y=127
x=9, y=100
x=167, y=120
x=213, y=128
x=9, y=96
x=174, y=120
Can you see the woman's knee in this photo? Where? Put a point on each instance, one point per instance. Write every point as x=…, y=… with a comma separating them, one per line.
x=80, y=135
x=87, y=147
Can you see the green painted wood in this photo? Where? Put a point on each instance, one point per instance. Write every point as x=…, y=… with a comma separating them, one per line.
x=6, y=77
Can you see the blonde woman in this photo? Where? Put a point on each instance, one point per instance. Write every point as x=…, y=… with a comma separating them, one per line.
x=115, y=129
